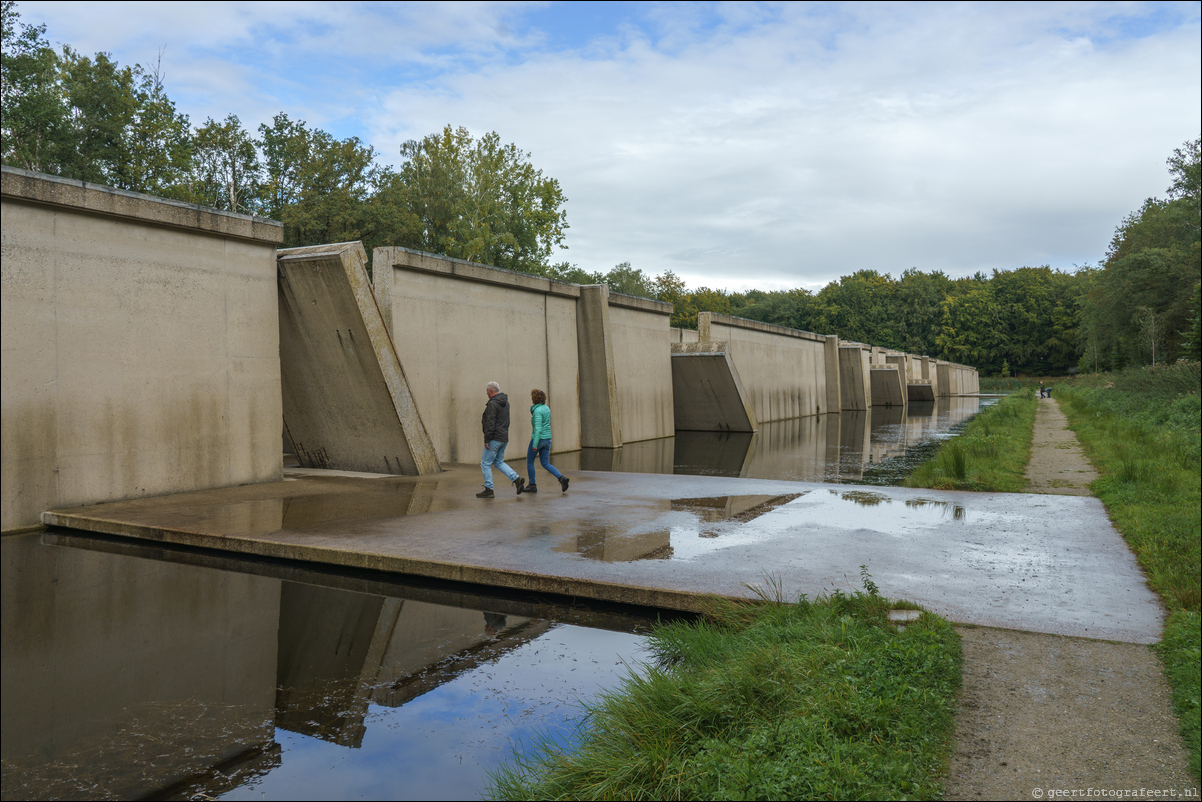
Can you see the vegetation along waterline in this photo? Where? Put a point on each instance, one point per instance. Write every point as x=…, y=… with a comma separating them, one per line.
x=822, y=699
x=1141, y=429
x=989, y=455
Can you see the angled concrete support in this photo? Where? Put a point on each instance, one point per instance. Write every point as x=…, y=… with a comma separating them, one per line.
x=600, y=423
x=708, y=395
x=347, y=403
x=888, y=386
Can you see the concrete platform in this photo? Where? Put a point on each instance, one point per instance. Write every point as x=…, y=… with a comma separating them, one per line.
x=1040, y=563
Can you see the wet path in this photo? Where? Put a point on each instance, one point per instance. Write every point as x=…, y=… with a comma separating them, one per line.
x=1058, y=465
x=1041, y=713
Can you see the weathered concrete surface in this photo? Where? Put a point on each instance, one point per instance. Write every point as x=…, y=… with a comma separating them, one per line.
x=855, y=383
x=347, y=402
x=676, y=335
x=1039, y=563
x=830, y=359
x=639, y=333
x=783, y=370
x=707, y=391
x=888, y=387
x=600, y=423
x=919, y=391
x=188, y=653
x=140, y=346
x=458, y=325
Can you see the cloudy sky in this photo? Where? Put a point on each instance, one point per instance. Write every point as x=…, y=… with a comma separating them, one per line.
x=738, y=145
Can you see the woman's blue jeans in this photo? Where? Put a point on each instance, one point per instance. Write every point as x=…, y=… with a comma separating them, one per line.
x=544, y=456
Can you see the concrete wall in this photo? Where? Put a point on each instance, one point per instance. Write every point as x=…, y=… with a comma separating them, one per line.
x=783, y=370
x=642, y=366
x=855, y=383
x=888, y=386
x=347, y=402
x=683, y=335
x=457, y=326
x=602, y=359
x=140, y=347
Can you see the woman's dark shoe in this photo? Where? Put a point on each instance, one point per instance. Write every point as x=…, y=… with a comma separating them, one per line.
x=531, y=489
x=563, y=483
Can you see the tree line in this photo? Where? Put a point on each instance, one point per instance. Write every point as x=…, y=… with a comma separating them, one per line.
x=481, y=199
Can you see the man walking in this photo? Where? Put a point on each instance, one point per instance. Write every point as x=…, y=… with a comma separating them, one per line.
x=496, y=436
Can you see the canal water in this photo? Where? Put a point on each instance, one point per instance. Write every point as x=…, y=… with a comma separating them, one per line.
x=134, y=671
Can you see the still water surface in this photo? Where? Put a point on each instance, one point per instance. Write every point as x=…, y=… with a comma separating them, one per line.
x=132, y=671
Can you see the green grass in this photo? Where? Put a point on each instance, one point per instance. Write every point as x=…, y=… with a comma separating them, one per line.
x=820, y=699
x=991, y=454
x=1141, y=430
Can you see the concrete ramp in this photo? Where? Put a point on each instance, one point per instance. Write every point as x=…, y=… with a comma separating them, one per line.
x=347, y=403
x=707, y=393
x=920, y=391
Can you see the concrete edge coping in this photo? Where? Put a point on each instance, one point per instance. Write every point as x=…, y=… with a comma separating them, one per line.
x=69, y=193
x=641, y=304
x=708, y=348
x=770, y=328
x=423, y=262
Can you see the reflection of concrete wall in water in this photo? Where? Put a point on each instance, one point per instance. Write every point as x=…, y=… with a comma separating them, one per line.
x=102, y=648
x=854, y=443
x=347, y=402
x=141, y=349
x=887, y=433
x=458, y=325
x=341, y=650
x=783, y=370
x=648, y=456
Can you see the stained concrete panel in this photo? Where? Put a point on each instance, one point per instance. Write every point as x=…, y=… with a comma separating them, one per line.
x=888, y=387
x=783, y=370
x=855, y=382
x=919, y=391
x=707, y=390
x=458, y=325
x=140, y=346
x=600, y=421
x=347, y=401
x=642, y=367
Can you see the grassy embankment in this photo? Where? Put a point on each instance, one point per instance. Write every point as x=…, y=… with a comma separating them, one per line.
x=990, y=454
x=1141, y=429
x=820, y=699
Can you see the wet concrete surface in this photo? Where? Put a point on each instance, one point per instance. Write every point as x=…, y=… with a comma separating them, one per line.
x=1050, y=564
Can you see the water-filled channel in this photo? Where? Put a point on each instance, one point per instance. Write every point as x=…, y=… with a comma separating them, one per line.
x=132, y=671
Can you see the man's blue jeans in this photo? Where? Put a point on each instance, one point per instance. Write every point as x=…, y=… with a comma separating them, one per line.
x=544, y=456
x=494, y=454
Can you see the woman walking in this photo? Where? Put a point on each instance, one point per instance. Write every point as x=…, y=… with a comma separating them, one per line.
x=540, y=442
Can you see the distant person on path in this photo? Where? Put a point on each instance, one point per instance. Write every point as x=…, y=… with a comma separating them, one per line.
x=496, y=436
x=1041, y=390
x=540, y=442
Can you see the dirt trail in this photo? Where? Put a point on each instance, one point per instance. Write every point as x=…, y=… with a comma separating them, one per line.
x=1042, y=713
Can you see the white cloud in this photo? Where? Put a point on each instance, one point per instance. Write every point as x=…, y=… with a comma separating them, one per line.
x=737, y=145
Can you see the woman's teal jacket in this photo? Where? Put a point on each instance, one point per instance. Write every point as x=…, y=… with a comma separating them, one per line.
x=540, y=423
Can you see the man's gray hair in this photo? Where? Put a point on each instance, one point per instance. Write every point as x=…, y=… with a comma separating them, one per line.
x=496, y=388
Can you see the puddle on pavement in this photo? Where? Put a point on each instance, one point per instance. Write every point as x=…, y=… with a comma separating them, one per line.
x=176, y=678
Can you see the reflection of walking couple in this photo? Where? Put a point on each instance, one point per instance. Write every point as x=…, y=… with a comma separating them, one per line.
x=496, y=437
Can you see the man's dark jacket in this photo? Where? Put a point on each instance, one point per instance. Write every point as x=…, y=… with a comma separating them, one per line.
x=496, y=419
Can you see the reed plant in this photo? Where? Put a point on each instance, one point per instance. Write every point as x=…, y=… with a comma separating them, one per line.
x=822, y=699
x=990, y=454
x=1142, y=431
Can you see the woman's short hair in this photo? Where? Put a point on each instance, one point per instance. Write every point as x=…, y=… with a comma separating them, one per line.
x=538, y=396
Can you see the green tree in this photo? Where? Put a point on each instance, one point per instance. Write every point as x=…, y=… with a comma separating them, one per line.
x=630, y=281
x=225, y=167
x=479, y=200
x=32, y=112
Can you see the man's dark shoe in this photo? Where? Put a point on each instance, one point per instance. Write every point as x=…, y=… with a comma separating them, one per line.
x=531, y=489
x=563, y=483
x=487, y=493
x=520, y=484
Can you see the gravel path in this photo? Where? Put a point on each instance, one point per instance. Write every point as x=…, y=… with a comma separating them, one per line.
x=1045, y=713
